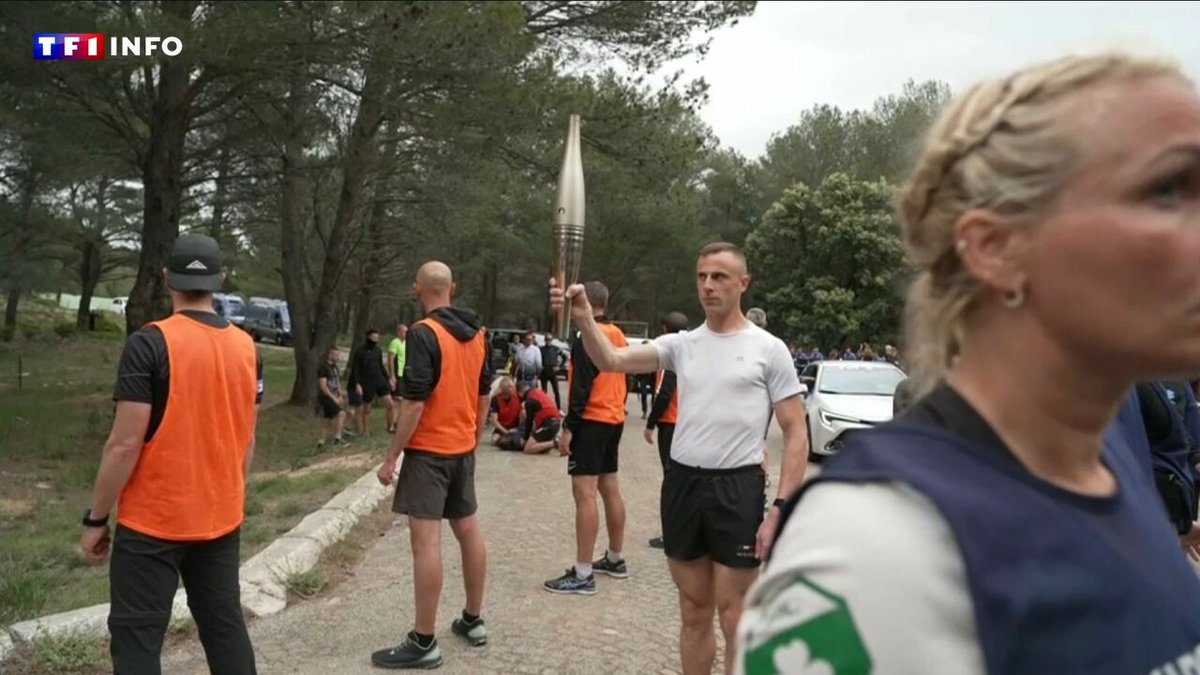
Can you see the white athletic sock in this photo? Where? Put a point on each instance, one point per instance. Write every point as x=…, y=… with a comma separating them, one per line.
x=583, y=570
x=614, y=556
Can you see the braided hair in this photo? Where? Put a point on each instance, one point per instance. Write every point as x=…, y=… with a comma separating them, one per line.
x=1006, y=146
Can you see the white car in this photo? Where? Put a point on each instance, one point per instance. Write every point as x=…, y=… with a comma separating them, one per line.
x=844, y=396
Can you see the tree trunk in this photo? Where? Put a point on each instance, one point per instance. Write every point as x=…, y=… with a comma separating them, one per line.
x=357, y=165
x=23, y=241
x=10, y=312
x=376, y=244
x=293, y=244
x=89, y=278
x=491, y=280
x=162, y=192
x=91, y=264
x=216, y=224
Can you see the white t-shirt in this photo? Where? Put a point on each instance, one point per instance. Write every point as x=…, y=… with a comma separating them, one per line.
x=861, y=572
x=727, y=384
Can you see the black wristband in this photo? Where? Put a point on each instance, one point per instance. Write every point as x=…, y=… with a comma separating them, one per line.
x=88, y=521
x=779, y=502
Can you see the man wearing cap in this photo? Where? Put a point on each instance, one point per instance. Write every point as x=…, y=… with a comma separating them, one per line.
x=175, y=466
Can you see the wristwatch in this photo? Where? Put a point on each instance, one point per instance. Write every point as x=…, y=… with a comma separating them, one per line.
x=779, y=503
x=90, y=522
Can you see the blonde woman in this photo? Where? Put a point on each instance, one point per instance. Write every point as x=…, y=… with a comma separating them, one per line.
x=1004, y=523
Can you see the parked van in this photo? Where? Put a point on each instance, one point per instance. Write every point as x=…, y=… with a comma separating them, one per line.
x=270, y=322
x=232, y=307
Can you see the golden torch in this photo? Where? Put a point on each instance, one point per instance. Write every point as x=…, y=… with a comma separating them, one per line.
x=568, y=221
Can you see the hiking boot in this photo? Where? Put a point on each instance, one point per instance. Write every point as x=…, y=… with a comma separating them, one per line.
x=409, y=654
x=569, y=583
x=613, y=569
x=474, y=632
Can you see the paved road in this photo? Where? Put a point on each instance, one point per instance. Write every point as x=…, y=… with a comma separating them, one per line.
x=526, y=511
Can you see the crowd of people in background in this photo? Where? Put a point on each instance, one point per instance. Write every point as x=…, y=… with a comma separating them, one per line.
x=804, y=354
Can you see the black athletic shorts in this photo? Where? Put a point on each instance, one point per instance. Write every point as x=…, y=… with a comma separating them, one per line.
x=594, y=449
x=398, y=390
x=713, y=513
x=547, y=431
x=329, y=407
x=436, y=486
x=378, y=391
x=352, y=397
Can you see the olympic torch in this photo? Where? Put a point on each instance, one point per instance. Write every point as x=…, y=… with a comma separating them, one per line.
x=568, y=221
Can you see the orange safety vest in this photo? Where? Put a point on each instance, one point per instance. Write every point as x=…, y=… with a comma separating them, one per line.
x=672, y=412
x=606, y=403
x=448, y=421
x=188, y=483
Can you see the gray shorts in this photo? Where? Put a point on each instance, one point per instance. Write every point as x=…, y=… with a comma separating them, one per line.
x=436, y=486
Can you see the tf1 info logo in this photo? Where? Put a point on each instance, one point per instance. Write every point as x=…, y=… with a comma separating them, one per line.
x=91, y=46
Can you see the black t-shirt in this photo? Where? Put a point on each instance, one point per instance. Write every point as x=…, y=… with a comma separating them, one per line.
x=549, y=359
x=368, y=367
x=330, y=373
x=144, y=374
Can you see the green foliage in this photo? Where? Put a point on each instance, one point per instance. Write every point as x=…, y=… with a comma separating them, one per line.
x=64, y=329
x=71, y=653
x=308, y=584
x=831, y=262
x=868, y=145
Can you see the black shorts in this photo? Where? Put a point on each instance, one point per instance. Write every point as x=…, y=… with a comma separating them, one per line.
x=398, y=390
x=547, y=431
x=436, y=486
x=713, y=513
x=594, y=449
x=329, y=407
x=352, y=397
x=378, y=391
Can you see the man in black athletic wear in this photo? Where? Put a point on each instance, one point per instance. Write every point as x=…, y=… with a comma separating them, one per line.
x=371, y=378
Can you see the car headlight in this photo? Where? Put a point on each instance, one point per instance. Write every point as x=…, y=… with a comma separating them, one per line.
x=828, y=418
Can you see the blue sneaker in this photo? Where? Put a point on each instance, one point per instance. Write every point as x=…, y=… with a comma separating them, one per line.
x=613, y=569
x=570, y=583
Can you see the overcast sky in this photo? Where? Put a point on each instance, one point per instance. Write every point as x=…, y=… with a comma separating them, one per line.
x=788, y=57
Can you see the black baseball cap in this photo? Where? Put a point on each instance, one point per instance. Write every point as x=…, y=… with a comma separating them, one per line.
x=195, y=264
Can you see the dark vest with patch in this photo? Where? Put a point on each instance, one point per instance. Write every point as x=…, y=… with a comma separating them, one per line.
x=1060, y=583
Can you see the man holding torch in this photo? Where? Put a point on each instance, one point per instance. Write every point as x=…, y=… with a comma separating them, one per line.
x=715, y=535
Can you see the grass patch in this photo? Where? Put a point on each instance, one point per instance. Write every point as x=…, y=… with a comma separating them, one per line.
x=53, y=426
x=77, y=654
x=70, y=654
x=339, y=560
x=307, y=584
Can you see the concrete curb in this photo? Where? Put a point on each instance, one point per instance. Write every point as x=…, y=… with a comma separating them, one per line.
x=263, y=578
x=6, y=646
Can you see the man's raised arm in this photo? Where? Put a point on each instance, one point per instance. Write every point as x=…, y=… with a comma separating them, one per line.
x=641, y=358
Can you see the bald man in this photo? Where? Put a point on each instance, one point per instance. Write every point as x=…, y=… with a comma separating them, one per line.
x=446, y=387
